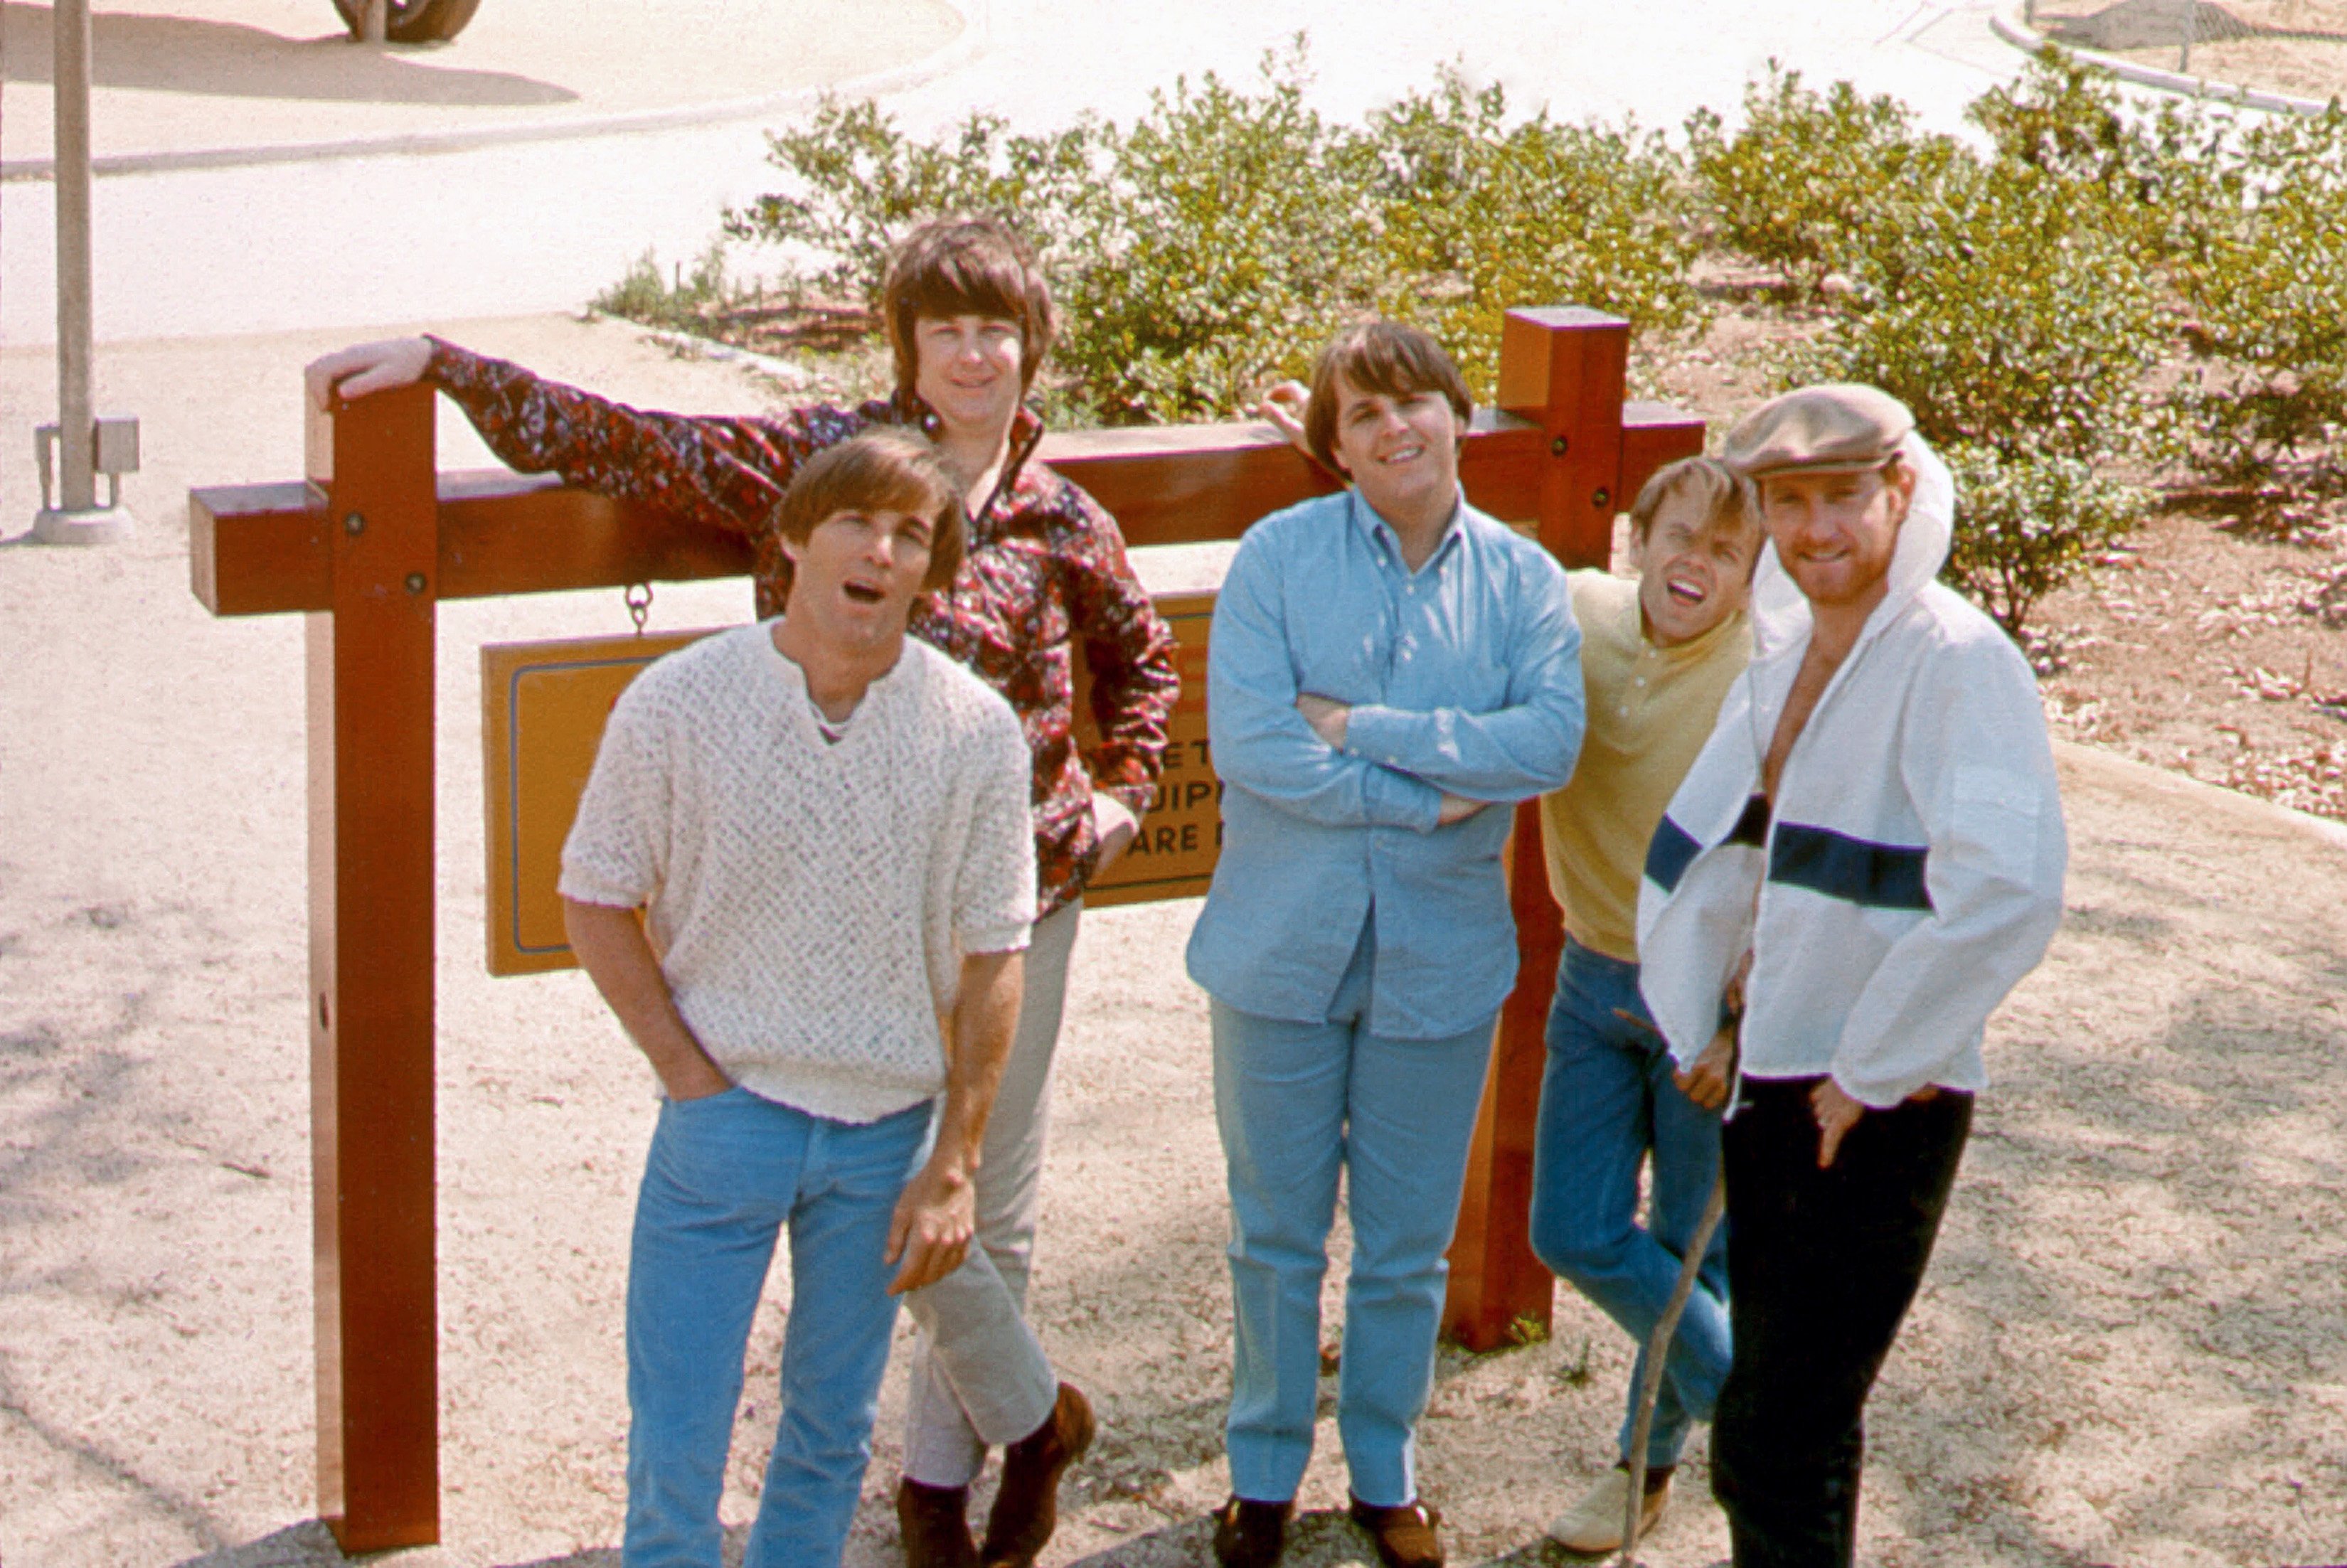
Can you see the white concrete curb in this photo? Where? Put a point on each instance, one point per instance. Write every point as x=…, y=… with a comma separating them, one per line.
x=2008, y=25
x=974, y=39
x=2197, y=795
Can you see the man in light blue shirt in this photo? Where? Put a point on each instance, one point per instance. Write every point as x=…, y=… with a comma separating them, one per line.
x=1385, y=664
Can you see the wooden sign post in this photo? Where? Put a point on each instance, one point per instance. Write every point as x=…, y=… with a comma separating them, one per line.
x=376, y=537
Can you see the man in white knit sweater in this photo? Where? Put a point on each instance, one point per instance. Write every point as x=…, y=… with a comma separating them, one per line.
x=823, y=826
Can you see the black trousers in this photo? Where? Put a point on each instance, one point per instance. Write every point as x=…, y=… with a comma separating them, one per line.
x=1821, y=1265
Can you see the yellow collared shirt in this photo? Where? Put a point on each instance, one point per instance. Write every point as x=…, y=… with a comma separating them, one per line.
x=1649, y=710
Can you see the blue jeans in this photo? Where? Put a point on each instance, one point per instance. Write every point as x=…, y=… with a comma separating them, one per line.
x=724, y=1176
x=1296, y=1101
x=1606, y=1102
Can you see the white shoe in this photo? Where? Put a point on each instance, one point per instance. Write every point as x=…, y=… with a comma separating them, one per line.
x=1594, y=1524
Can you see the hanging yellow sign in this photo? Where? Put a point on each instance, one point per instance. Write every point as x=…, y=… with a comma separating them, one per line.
x=543, y=708
x=1172, y=853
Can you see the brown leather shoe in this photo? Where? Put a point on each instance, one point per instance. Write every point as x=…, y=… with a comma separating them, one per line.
x=1404, y=1536
x=1251, y=1535
x=933, y=1524
x=1027, y=1504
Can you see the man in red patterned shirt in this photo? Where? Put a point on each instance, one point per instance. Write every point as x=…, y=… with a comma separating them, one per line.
x=970, y=318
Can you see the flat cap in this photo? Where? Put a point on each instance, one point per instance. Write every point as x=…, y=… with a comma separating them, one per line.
x=1835, y=427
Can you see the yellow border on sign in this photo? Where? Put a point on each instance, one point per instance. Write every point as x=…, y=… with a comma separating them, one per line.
x=1190, y=616
x=504, y=668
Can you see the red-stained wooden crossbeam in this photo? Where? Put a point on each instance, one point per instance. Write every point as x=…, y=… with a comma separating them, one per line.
x=375, y=538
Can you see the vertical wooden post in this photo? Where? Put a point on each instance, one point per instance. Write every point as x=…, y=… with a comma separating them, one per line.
x=1564, y=369
x=371, y=972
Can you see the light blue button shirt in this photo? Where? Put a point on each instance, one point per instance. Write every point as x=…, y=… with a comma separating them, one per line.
x=1463, y=676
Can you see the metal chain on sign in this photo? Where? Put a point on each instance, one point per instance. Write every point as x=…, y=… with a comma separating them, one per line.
x=638, y=598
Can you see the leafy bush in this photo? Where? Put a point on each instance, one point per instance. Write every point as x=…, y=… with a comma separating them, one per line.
x=2003, y=321
x=2245, y=225
x=2268, y=292
x=2011, y=299
x=1236, y=233
x=2021, y=327
x=678, y=300
x=2026, y=523
x=2024, y=298
x=1479, y=215
x=2160, y=177
x=1800, y=186
x=1213, y=244
x=857, y=184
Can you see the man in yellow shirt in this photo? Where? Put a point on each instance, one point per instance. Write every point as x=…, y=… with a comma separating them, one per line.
x=1657, y=656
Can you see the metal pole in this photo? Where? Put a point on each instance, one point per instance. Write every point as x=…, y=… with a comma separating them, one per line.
x=77, y=400
x=76, y=517
x=2192, y=30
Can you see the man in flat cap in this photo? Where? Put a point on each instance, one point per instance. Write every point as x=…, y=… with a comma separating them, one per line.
x=1866, y=856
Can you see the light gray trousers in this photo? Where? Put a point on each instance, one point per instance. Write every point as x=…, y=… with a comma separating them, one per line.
x=979, y=1376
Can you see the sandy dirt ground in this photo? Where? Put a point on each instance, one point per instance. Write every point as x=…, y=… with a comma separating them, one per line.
x=2132, y=1347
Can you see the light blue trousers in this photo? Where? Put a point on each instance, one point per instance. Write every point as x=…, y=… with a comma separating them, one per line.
x=1297, y=1102
x=726, y=1175
x=1607, y=1101
x=980, y=1375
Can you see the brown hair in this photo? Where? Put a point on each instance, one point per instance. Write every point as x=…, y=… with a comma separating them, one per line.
x=894, y=469
x=967, y=266
x=1729, y=500
x=1377, y=357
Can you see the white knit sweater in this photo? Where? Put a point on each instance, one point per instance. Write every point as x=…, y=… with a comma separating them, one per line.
x=809, y=900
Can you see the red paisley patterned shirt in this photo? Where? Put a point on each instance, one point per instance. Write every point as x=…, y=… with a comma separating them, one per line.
x=1046, y=569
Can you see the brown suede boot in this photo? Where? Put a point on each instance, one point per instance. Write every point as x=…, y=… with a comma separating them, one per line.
x=933, y=1525
x=1251, y=1535
x=1027, y=1504
x=1404, y=1536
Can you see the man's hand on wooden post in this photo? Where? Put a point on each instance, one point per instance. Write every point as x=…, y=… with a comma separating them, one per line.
x=1282, y=407
x=366, y=368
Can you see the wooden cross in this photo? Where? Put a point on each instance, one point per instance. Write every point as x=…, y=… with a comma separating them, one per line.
x=376, y=536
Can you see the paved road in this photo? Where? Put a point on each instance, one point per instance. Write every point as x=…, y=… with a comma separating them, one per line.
x=196, y=76
x=359, y=241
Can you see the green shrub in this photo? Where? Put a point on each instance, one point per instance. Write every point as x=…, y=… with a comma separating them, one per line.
x=1235, y=232
x=2268, y=294
x=1479, y=215
x=680, y=300
x=2244, y=221
x=2005, y=321
x=1213, y=244
x=2023, y=298
x=2160, y=177
x=2024, y=333
x=856, y=183
x=1800, y=186
x=2025, y=524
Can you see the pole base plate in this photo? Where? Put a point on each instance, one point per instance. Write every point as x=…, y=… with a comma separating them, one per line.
x=98, y=525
